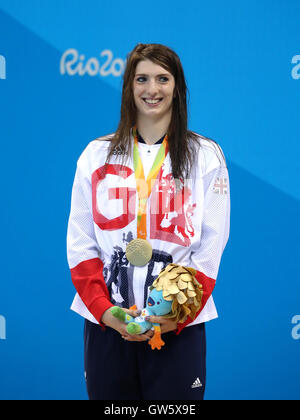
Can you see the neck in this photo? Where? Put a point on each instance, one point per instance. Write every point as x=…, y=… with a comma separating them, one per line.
x=152, y=130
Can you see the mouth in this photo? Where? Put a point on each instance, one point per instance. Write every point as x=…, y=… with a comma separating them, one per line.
x=152, y=102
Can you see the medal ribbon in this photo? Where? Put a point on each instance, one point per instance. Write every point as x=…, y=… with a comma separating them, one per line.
x=144, y=187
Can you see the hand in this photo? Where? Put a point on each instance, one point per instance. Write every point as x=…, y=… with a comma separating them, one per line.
x=166, y=324
x=112, y=322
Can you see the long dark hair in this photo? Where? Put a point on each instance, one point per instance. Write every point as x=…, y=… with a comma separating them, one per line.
x=180, y=139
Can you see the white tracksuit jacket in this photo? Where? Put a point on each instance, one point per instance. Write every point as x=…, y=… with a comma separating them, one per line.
x=190, y=227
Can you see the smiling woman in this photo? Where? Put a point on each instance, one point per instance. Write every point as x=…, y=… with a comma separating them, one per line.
x=153, y=91
x=154, y=73
x=162, y=200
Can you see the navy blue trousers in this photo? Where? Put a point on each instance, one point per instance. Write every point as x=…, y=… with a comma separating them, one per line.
x=120, y=370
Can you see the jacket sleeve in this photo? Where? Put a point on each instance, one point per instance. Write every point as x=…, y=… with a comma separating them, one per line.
x=215, y=229
x=84, y=255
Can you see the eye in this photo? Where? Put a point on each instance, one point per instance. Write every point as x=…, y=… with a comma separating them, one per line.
x=163, y=79
x=141, y=79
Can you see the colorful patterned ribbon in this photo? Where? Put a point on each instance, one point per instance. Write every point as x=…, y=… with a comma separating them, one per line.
x=144, y=187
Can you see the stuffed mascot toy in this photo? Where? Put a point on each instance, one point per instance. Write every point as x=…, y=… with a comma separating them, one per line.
x=175, y=294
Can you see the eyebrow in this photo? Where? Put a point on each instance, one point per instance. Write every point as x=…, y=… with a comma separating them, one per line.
x=144, y=74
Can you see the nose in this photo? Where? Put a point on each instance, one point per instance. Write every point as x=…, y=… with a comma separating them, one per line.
x=152, y=87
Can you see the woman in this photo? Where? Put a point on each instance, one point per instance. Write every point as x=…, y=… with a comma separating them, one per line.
x=157, y=181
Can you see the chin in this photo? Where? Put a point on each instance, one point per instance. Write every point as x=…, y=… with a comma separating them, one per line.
x=155, y=113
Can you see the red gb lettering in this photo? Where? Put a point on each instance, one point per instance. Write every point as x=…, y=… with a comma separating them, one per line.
x=171, y=212
x=128, y=195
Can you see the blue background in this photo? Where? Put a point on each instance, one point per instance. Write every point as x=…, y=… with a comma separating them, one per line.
x=237, y=57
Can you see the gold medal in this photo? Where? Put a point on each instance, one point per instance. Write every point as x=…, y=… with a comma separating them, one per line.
x=139, y=252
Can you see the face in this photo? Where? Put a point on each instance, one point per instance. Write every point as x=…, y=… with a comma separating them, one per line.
x=153, y=90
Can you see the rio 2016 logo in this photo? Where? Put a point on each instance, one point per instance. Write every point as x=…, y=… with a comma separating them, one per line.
x=73, y=63
x=296, y=68
x=2, y=67
x=2, y=328
x=296, y=329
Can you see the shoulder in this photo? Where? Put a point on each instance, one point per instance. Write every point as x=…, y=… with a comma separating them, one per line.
x=100, y=143
x=209, y=152
x=96, y=150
